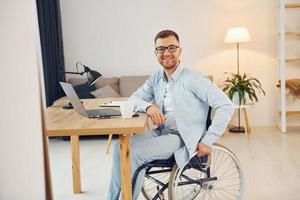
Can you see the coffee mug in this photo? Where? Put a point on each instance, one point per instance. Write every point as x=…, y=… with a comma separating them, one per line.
x=127, y=109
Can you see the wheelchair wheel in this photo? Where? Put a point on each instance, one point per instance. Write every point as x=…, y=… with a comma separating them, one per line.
x=223, y=179
x=156, y=177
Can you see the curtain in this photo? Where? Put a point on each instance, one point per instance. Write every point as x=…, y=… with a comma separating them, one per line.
x=49, y=19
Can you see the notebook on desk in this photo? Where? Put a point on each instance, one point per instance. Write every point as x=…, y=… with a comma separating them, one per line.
x=79, y=108
x=112, y=104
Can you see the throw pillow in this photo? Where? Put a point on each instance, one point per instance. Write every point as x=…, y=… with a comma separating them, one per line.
x=83, y=91
x=113, y=82
x=105, y=92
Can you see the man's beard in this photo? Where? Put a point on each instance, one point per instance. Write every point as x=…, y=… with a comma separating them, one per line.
x=169, y=65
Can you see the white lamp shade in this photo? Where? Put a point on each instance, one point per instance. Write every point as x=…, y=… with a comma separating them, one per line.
x=237, y=35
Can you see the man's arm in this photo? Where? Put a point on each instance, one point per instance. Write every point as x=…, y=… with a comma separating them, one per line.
x=142, y=98
x=216, y=98
x=144, y=95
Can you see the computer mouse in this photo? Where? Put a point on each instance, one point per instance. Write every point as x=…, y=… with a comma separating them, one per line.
x=68, y=106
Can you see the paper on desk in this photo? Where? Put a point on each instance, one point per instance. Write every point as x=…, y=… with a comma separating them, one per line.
x=112, y=104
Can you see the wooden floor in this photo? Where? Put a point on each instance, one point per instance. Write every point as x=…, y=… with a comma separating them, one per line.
x=270, y=161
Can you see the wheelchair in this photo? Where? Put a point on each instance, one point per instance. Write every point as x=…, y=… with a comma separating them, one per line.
x=217, y=176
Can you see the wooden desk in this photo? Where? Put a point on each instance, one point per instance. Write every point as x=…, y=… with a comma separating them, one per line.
x=61, y=122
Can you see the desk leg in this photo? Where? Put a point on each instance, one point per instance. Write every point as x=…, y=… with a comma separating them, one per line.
x=75, y=164
x=125, y=167
x=108, y=143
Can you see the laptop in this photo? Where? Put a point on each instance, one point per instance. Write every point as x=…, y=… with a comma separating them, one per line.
x=79, y=108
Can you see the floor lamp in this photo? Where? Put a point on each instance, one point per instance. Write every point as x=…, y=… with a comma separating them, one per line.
x=237, y=35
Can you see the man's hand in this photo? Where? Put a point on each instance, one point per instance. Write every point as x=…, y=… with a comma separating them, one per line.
x=203, y=149
x=156, y=115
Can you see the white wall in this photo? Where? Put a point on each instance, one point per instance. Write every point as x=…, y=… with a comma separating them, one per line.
x=116, y=38
x=21, y=152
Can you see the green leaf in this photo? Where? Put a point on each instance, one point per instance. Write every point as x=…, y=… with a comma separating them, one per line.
x=242, y=84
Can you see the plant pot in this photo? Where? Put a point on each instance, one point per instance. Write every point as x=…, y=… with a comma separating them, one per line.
x=236, y=99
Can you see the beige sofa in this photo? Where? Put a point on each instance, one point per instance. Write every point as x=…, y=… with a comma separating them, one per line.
x=124, y=86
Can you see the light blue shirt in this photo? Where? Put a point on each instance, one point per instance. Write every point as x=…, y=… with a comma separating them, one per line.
x=191, y=95
x=168, y=110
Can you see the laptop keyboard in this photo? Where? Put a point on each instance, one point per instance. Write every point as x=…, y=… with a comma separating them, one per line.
x=103, y=112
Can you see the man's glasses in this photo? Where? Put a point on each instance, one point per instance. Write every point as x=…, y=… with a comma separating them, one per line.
x=162, y=49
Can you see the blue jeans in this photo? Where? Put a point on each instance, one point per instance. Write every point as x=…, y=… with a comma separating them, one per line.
x=152, y=145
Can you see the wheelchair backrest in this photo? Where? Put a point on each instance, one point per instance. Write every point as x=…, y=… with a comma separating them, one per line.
x=208, y=120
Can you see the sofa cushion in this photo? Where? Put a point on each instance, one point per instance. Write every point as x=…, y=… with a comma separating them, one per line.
x=105, y=92
x=129, y=84
x=83, y=90
x=101, y=82
x=113, y=82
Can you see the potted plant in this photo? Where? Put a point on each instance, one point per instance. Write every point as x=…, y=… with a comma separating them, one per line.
x=236, y=86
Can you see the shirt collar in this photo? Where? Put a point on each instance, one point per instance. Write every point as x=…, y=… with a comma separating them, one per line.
x=175, y=74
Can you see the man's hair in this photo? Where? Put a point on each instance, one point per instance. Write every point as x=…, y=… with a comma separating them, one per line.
x=165, y=34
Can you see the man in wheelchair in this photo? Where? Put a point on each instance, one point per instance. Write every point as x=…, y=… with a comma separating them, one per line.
x=177, y=101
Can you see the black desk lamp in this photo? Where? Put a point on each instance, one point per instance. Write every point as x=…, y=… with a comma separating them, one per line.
x=92, y=76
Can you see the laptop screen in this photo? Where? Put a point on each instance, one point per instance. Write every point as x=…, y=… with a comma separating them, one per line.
x=73, y=97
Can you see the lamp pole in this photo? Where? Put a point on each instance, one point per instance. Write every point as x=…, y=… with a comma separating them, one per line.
x=238, y=57
x=237, y=35
x=238, y=71
x=239, y=128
